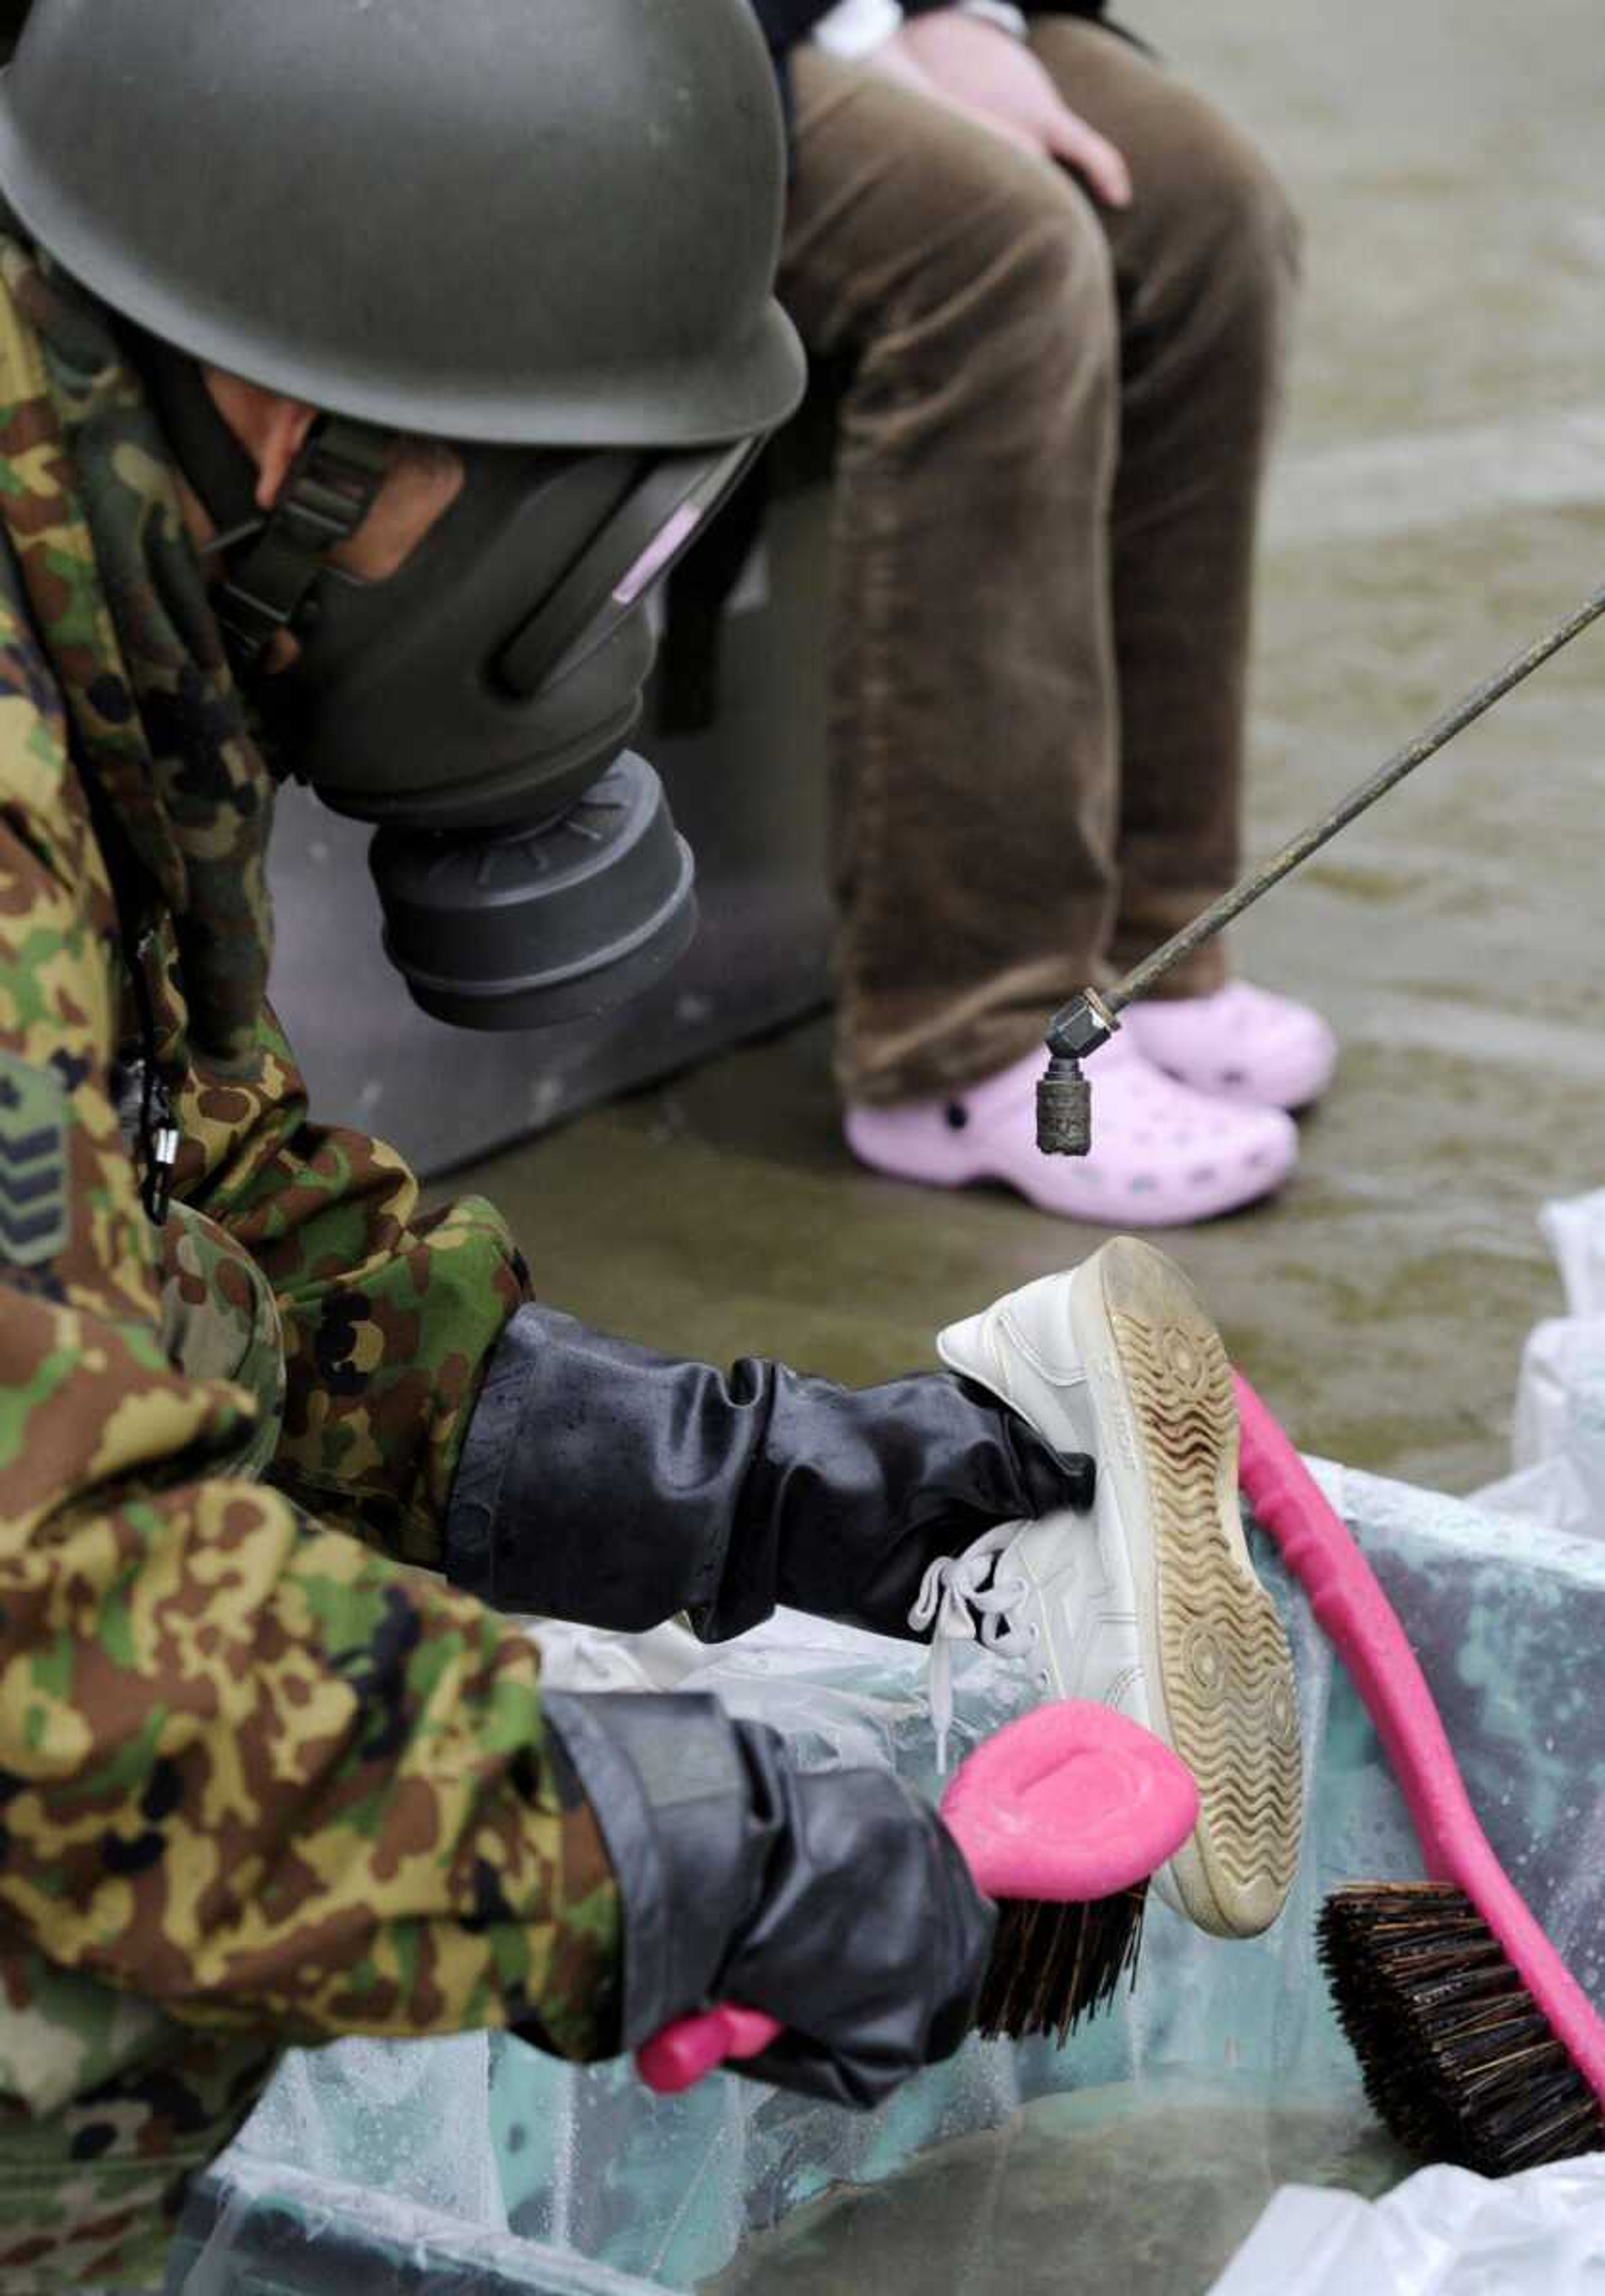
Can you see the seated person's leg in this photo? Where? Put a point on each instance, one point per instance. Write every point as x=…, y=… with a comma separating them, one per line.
x=974, y=704
x=972, y=673
x=1205, y=261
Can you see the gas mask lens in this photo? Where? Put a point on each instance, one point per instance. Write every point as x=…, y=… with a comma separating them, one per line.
x=639, y=546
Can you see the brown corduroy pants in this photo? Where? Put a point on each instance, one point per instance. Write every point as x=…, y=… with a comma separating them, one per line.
x=1050, y=459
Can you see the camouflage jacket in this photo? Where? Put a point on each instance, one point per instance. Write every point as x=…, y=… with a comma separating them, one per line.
x=258, y=1782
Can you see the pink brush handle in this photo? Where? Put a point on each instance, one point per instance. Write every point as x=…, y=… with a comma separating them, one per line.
x=1366, y=1634
x=685, y=2053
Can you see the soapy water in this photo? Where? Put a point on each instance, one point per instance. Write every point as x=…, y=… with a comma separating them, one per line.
x=1162, y=2184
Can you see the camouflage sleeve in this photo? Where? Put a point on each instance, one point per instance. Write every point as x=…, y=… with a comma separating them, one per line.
x=389, y=1315
x=248, y=1769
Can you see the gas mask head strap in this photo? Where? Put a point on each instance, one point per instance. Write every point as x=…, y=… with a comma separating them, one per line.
x=327, y=495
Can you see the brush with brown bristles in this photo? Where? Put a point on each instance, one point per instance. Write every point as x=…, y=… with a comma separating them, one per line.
x=1053, y=1965
x=1477, y=2045
x=1062, y=1816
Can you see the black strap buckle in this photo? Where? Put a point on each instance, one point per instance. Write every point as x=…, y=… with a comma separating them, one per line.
x=163, y=1146
x=329, y=492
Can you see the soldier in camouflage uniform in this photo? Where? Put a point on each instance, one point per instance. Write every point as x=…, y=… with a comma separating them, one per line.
x=259, y=1786
x=265, y=1776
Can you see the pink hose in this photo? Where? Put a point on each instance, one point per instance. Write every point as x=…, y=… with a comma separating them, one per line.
x=1365, y=1632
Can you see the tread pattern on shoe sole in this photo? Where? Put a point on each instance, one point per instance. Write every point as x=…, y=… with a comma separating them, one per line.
x=1228, y=1673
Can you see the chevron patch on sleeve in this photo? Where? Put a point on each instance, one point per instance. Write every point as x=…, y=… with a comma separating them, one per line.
x=35, y=1220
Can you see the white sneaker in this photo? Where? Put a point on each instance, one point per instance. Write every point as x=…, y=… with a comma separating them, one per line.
x=1150, y=1604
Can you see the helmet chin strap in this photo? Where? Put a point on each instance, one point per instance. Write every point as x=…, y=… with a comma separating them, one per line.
x=329, y=491
x=328, y=494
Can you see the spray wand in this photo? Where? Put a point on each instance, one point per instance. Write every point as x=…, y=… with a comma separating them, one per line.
x=1064, y=1100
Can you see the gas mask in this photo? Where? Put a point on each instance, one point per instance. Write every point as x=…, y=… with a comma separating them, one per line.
x=478, y=704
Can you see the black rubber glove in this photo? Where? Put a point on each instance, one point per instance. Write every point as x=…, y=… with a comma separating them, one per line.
x=836, y=1900
x=606, y=1484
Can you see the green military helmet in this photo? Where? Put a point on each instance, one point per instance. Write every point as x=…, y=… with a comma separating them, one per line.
x=535, y=221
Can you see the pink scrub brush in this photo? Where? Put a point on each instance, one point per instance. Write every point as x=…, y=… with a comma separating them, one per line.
x=1062, y=1817
x=1477, y=2045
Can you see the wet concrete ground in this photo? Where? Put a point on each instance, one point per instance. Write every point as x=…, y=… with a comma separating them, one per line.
x=1440, y=497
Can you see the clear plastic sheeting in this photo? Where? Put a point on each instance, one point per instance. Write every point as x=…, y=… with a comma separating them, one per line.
x=413, y=2124
x=270, y=2229
x=1443, y=2233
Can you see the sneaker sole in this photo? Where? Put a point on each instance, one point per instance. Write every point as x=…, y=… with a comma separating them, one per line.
x=1214, y=1651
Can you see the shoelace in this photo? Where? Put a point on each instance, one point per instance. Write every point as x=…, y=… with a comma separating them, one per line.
x=955, y=1590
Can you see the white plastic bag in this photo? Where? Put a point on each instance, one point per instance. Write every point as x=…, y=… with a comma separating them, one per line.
x=1441, y=2233
x=1575, y=1227
x=1558, y=1439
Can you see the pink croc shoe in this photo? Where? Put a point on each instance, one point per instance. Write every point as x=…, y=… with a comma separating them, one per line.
x=1162, y=1156
x=1244, y=1045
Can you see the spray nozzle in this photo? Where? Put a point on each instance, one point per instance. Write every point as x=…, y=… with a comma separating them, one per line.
x=1064, y=1098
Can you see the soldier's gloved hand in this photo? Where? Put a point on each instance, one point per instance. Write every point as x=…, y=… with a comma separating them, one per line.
x=836, y=1900
x=605, y=1483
